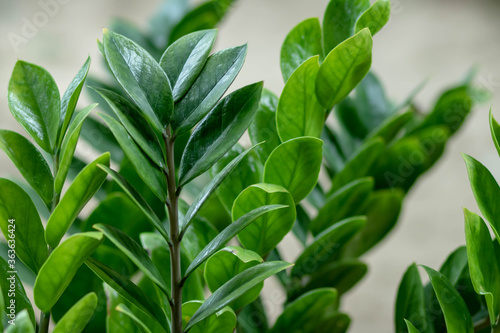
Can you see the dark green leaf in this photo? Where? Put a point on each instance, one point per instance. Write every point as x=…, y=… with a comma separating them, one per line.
x=391, y=126
x=75, y=320
x=116, y=321
x=125, y=310
x=411, y=328
x=99, y=136
x=375, y=17
x=223, y=321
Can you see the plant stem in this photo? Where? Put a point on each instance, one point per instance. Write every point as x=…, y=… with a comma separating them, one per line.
x=44, y=322
x=175, y=249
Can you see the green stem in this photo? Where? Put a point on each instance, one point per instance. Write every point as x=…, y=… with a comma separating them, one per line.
x=44, y=322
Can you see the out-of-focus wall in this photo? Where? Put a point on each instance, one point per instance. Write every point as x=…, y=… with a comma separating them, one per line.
x=435, y=39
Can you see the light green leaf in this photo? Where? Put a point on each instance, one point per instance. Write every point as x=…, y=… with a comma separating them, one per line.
x=265, y=233
x=22, y=324
x=223, y=321
x=295, y=165
x=495, y=131
x=116, y=321
x=375, y=17
x=125, y=310
x=343, y=68
x=61, y=266
x=85, y=185
x=219, y=131
x=299, y=112
x=34, y=101
x=75, y=320
x=411, y=328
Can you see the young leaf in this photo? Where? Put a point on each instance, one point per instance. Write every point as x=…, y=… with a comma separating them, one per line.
x=217, y=75
x=61, y=266
x=75, y=320
x=141, y=77
x=185, y=58
x=343, y=68
x=495, y=131
x=223, y=321
x=22, y=324
x=69, y=146
x=21, y=225
x=455, y=311
x=219, y=131
x=375, y=17
x=302, y=42
x=35, y=103
x=236, y=287
x=299, y=112
x=483, y=263
x=83, y=188
x=410, y=301
x=30, y=163
x=295, y=165
x=265, y=233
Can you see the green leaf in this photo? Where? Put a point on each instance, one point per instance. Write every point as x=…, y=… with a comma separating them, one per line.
x=391, y=126
x=455, y=311
x=410, y=302
x=302, y=42
x=135, y=253
x=70, y=99
x=61, y=266
x=295, y=165
x=411, y=328
x=222, y=321
x=69, y=146
x=185, y=58
x=486, y=190
x=483, y=263
x=263, y=127
x=75, y=320
x=495, y=131
x=265, y=233
x=327, y=245
x=83, y=188
x=299, y=112
x=99, y=136
x=219, y=131
x=229, y=262
x=375, y=17
x=340, y=20
x=252, y=318
x=148, y=172
x=236, y=287
x=343, y=203
x=116, y=321
x=35, y=103
x=227, y=234
x=315, y=311
x=21, y=225
x=128, y=290
x=30, y=163
x=125, y=310
x=141, y=77
x=343, y=68
x=22, y=324
x=137, y=127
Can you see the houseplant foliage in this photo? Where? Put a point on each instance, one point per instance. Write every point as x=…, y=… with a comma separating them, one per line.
x=464, y=295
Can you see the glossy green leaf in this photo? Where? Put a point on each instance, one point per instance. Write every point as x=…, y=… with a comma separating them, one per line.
x=69, y=146
x=217, y=75
x=219, y=131
x=327, y=246
x=34, y=101
x=229, y=262
x=61, y=266
x=486, y=190
x=128, y=290
x=141, y=77
x=134, y=252
x=99, y=136
x=21, y=225
x=265, y=233
x=455, y=265
x=495, y=131
x=125, y=310
x=70, y=99
x=75, y=320
x=263, y=127
x=227, y=234
x=343, y=203
x=302, y=42
x=340, y=20
x=375, y=17
x=185, y=58
x=299, y=112
x=236, y=287
x=295, y=165
x=22, y=324
x=30, y=163
x=83, y=188
x=149, y=173
x=222, y=321
x=411, y=328
x=483, y=263
x=116, y=321
x=137, y=127
x=344, y=68
x=455, y=311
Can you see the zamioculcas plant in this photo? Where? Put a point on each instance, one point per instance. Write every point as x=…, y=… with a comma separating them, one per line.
x=464, y=296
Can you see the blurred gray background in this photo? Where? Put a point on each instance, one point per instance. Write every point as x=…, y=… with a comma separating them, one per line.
x=436, y=39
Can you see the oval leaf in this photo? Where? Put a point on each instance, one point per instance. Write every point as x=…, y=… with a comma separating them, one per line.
x=375, y=17
x=75, y=320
